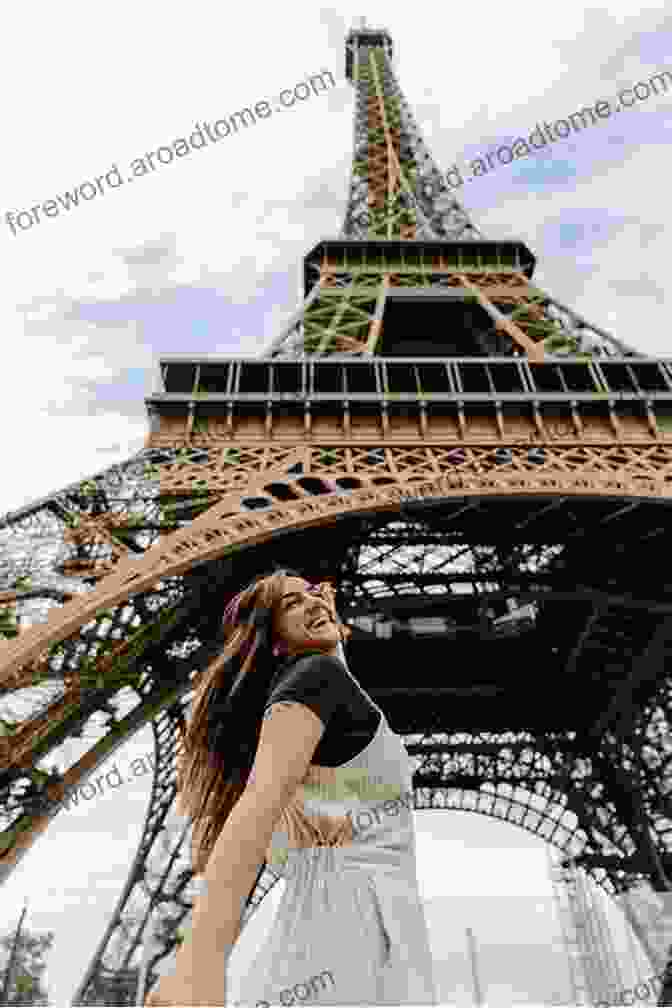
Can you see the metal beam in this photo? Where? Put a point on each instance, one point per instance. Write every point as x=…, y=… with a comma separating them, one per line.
x=647, y=666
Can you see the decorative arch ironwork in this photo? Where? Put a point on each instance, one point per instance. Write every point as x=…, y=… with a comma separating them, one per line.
x=163, y=630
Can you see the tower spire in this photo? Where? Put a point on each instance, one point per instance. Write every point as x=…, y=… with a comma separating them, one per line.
x=396, y=188
x=410, y=273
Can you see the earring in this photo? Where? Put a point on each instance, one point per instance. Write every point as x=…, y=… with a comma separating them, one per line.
x=277, y=650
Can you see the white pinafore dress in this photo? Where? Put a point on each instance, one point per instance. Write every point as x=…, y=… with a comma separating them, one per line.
x=350, y=927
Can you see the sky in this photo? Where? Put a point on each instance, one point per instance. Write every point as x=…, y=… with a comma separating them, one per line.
x=204, y=255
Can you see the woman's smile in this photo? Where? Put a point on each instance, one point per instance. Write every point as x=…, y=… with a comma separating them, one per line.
x=304, y=618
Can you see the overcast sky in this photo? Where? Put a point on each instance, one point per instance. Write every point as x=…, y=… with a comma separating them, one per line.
x=204, y=255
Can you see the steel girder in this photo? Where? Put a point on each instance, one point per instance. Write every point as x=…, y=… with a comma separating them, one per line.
x=562, y=784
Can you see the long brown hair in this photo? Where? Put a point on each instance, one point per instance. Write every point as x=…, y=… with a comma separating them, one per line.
x=219, y=744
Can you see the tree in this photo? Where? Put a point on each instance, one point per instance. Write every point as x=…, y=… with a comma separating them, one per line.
x=25, y=987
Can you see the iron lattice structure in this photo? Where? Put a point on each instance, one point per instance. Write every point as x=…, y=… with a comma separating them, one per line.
x=484, y=476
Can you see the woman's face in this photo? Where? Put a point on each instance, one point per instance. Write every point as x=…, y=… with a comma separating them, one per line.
x=303, y=618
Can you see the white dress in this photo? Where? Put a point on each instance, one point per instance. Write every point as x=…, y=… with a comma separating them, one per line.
x=350, y=927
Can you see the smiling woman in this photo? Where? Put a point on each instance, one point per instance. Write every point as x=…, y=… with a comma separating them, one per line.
x=305, y=619
x=270, y=622
x=275, y=715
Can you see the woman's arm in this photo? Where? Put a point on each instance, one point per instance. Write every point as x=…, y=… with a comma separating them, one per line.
x=289, y=736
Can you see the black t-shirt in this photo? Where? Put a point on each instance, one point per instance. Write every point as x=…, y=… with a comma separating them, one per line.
x=321, y=682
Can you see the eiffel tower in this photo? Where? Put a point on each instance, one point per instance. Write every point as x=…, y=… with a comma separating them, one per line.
x=484, y=476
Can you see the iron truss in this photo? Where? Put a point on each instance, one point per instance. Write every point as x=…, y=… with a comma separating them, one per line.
x=396, y=188
x=402, y=227
x=527, y=584
x=439, y=578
